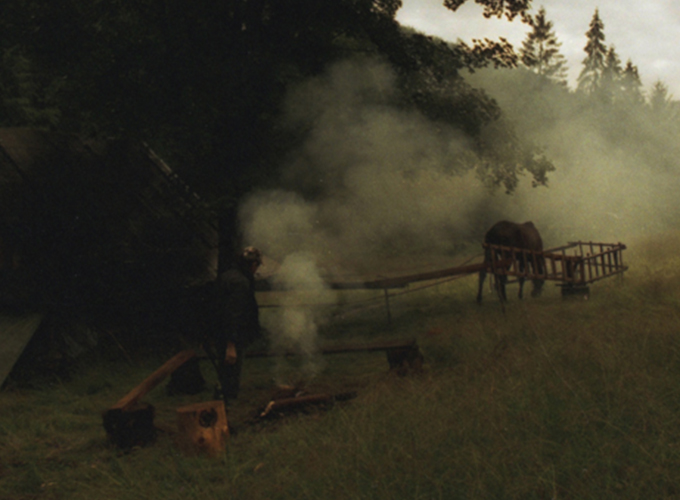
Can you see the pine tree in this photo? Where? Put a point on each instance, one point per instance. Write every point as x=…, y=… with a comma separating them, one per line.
x=610, y=86
x=660, y=100
x=590, y=78
x=540, y=50
x=631, y=85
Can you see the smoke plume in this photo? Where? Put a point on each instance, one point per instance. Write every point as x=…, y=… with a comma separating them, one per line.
x=294, y=325
x=370, y=181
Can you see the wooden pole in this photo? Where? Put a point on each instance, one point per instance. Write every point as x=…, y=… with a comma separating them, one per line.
x=153, y=380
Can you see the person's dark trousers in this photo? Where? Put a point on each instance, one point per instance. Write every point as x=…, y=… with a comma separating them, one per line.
x=229, y=375
x=187, y=379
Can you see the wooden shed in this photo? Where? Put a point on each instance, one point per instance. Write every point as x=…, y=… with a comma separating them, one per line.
x=101, y=231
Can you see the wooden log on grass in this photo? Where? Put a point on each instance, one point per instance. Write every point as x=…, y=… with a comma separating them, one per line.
x=403, y=356
x=129, y=423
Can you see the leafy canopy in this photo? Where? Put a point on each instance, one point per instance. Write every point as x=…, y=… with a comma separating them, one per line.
x=204, y=81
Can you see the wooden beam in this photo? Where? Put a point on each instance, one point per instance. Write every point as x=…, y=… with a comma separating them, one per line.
x=342, y=348
x=397, y=282
x=153, y=380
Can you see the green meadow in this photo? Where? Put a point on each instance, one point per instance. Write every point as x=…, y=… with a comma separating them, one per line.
x=544, y=398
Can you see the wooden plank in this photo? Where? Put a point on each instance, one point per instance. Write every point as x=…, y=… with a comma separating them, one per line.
x=433, y=275
x=614, y=273
x=342, y=348
x=153, y=380
x=397, y=282
x=560, y=248
x=16, y=330
x=598, y=255
x=613, y=245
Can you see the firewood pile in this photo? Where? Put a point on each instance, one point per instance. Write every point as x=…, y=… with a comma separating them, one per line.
x=203, y=427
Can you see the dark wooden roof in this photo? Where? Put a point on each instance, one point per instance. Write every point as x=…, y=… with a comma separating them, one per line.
x=119, y=177
x=102, y=215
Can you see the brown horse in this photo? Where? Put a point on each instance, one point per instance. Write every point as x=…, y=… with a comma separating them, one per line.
x=511, y=234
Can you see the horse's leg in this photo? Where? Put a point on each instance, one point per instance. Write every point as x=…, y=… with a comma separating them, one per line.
x=522, y=267
x=539, y=265
x=500, y=287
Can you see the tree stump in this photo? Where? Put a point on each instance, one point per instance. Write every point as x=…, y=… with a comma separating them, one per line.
x=130, y=422
x=130, y=427
x=203, y=428
x=405, y=359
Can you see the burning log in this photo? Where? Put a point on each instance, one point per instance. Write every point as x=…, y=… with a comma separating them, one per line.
x=287, y=403
x=129, y=423
x=203, y=428
x=278, y=405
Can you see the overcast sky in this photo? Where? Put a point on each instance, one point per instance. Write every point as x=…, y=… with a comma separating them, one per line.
x=647, y=32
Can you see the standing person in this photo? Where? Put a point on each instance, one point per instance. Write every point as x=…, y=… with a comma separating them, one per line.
x=236, y=320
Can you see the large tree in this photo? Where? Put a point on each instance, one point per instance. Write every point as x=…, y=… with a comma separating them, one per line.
x=590, y=78
x=540, y=50
x=203, y=81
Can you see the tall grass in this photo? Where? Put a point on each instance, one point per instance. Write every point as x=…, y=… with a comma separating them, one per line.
x=545, y=398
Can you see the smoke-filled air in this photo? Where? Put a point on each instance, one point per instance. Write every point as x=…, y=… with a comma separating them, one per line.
x=616, y=176
x=373, y=180
x=370, y=180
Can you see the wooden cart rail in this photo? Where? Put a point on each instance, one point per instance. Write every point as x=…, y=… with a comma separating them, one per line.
x=384, y=283
x=577, y=263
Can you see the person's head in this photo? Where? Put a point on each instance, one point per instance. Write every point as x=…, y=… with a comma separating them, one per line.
x=251, y=259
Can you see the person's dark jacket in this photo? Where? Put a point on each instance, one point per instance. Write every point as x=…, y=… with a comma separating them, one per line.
x=236, y=308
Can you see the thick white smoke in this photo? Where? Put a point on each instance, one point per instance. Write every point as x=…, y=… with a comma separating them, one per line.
x=294, y=325
x=371, y=180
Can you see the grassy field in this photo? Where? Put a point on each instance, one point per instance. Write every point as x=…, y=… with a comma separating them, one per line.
x=548, y=398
